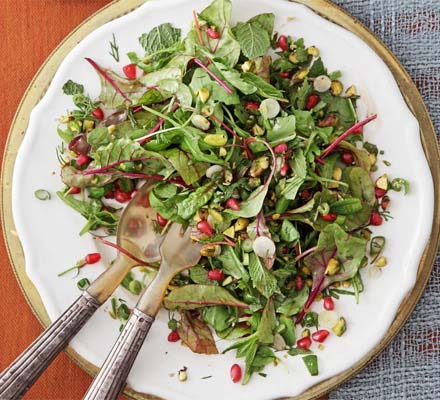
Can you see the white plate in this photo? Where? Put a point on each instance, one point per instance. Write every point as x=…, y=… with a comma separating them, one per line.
x=49, y=230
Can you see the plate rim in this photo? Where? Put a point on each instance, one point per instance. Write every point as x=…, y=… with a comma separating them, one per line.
x=324, y=8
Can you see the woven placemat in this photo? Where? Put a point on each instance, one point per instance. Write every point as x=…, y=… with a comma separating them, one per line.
x=410, y=367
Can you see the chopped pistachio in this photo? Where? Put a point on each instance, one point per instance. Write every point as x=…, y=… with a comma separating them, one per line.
x=210, y=250
x=382, y=182
x=346, y=284
x=302, y=74
x=199, y=121
x=276, y=216
x=111, y=129
x=321, y=346
x=293, y=59
x=230, y=232
x=248, y=66
x=340, y=327
x=216, y=139
x=309, y=282
x=222, y=152
x=313, y=51
x=257, y=130
x=241, y=224
x=305, y=333
x=351, y=91
x=381, y=262
x=216, y=215
x=336, y=88
x=227, y=281
x=182, y=375
x=373, y=158
x=88, y=125
x=259, y=165
x=332, y=267
x=204, y=94
x=337, y=174
x=306, y=270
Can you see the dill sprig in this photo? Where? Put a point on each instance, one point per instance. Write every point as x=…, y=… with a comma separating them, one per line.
x=114, y=49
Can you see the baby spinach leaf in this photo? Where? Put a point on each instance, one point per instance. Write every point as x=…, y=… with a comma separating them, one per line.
x=153, y=78
x=361, y=156
x=295, y=303
x=190, y=297
x=304, y=122
x=220, y=317
x=232, y=265
x=261, y=278
x=198, y=198
x=346, y=206
x=264, y=89
x=252, y=206
x=288, y=232
x=299, y=166
x=159, y=38
x=190, y=171
x=233, y=77
x=283, y=130
x=196, y=334
x=361, y=185
x=287, y=330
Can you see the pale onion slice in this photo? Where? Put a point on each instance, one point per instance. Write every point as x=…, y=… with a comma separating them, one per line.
x=269, y=108
x=322, y=83
x=263, y=247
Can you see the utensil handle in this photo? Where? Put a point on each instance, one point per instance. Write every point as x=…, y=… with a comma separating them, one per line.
x=113, y=374
x=25, y=370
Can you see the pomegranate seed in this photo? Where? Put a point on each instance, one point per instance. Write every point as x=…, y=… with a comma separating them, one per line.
x=329, y=304
x=347, y=158
x=379, y=192
x=329, y=217
x=233, y=204
x=251, y=105
x=130, y=71
x=204, y=227
x=98, y=113
x=312, y=101
x=385, y=202
x=74, y=190
x=212, y=33
x=321, y=335
x=82, y=160
x=161, y=220
x=285, y=250
x=216, y=275
x=92, y=258
x=284, y=168
x=110, y=195
x=376, y=219
x=122, y=197
x=282, y=43
x=284, y=74
x=235, y=373
x=305, y=194
x=299, y=282
x=304, y=343
x=280, y=148
x=173, y=336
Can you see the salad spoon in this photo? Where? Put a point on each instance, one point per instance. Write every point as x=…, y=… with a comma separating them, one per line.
x=135, y=235
x=178, y=252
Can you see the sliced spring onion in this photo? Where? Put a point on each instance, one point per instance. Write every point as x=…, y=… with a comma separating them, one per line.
x=42, y=194
x=83, y=284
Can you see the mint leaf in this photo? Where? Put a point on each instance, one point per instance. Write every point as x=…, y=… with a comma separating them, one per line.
x=253, y=38
x=266, y=20
x=218, y=13
x=160, y=38
x=70, y=88
x=261, y=278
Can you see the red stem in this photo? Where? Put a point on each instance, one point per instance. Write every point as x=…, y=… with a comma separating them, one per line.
x=155, y=128
x=315, y=291
x=122, y=250
x=107, y=78
x=213, y=76
x=230, y=130
x=196, y=23
x=348, y=132
x=303, y=254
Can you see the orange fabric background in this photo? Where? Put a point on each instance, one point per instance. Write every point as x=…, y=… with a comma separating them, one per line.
x=29, y=31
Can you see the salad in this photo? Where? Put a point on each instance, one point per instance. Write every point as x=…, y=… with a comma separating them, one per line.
x=256, y=146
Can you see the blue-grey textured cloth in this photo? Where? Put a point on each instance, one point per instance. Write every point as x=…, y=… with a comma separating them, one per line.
x=410, y=367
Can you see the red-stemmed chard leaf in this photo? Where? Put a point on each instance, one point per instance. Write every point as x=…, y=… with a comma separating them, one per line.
x=333, y=242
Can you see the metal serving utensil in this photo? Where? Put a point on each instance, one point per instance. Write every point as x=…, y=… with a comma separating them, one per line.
x=178, y=253
x=135, y=234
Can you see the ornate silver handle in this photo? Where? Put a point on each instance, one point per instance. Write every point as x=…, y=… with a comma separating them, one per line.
x=113, y=374
x=25, y=370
